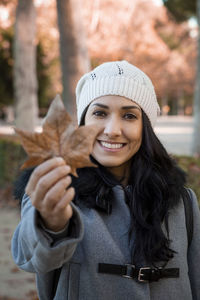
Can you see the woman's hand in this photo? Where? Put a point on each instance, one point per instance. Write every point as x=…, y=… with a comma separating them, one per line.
x=48, y=188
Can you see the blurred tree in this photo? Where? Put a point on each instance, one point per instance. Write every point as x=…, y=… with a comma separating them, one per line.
x=25, y=80
x=44, y=80
x=6, y=67
x=73, y=49
x=182, y=10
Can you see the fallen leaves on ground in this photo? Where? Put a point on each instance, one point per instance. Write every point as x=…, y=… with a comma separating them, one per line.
x=59, y=137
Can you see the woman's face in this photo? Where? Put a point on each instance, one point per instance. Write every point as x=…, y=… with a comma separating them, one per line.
x=121, y=134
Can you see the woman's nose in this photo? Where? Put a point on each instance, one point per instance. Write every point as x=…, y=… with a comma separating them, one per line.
x=112, y=128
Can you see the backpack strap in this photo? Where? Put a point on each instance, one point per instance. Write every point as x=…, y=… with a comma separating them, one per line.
x=188, y=214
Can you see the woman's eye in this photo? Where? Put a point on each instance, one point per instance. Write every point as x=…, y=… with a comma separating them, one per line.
x=130, y=116
x=99, y=113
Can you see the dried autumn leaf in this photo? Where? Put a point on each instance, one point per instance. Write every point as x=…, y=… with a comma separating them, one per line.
x=59, y=137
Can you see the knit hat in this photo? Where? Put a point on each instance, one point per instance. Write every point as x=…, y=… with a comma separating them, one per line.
x=117, y=78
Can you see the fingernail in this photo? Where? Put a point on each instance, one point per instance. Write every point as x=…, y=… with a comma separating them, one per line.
x=59, y=159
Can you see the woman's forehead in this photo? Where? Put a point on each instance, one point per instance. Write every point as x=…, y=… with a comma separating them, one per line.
x=110, y=100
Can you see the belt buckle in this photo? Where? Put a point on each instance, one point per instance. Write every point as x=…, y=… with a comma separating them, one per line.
x=140, y=274
x=129, y=269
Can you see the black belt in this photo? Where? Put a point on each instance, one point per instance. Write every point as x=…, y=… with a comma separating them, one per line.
x=144, y=274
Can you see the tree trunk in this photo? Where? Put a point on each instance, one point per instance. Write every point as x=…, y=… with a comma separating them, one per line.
x=196, y=106
x=73, y=51
x=25, y=80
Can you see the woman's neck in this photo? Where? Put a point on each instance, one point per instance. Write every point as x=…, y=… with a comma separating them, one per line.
x=121, y=173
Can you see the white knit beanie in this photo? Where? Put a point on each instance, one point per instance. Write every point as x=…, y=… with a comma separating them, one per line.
x=117, y=78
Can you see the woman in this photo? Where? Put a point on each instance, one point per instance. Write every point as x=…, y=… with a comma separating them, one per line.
x=117, y=231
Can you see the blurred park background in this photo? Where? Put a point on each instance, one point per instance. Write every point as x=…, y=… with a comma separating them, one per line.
x=46, y=45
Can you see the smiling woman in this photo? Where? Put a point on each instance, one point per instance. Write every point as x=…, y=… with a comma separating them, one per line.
x=118, y=228
x=121, y=135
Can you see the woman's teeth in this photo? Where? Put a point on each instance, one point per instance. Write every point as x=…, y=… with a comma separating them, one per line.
x=111, y=146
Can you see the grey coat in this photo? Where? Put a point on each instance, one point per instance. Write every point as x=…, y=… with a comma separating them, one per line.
x=99, y=238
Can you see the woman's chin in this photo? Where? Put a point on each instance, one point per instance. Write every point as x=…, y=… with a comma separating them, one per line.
x=108, y=164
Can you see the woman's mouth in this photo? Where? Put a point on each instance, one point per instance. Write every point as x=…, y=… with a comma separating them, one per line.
x=111, y=146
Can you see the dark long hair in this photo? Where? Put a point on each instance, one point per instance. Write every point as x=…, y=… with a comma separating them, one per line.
x=156, y=184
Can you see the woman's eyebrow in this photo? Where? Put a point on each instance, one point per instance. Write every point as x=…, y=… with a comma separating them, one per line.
x=131, y=106
x=100, y=105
